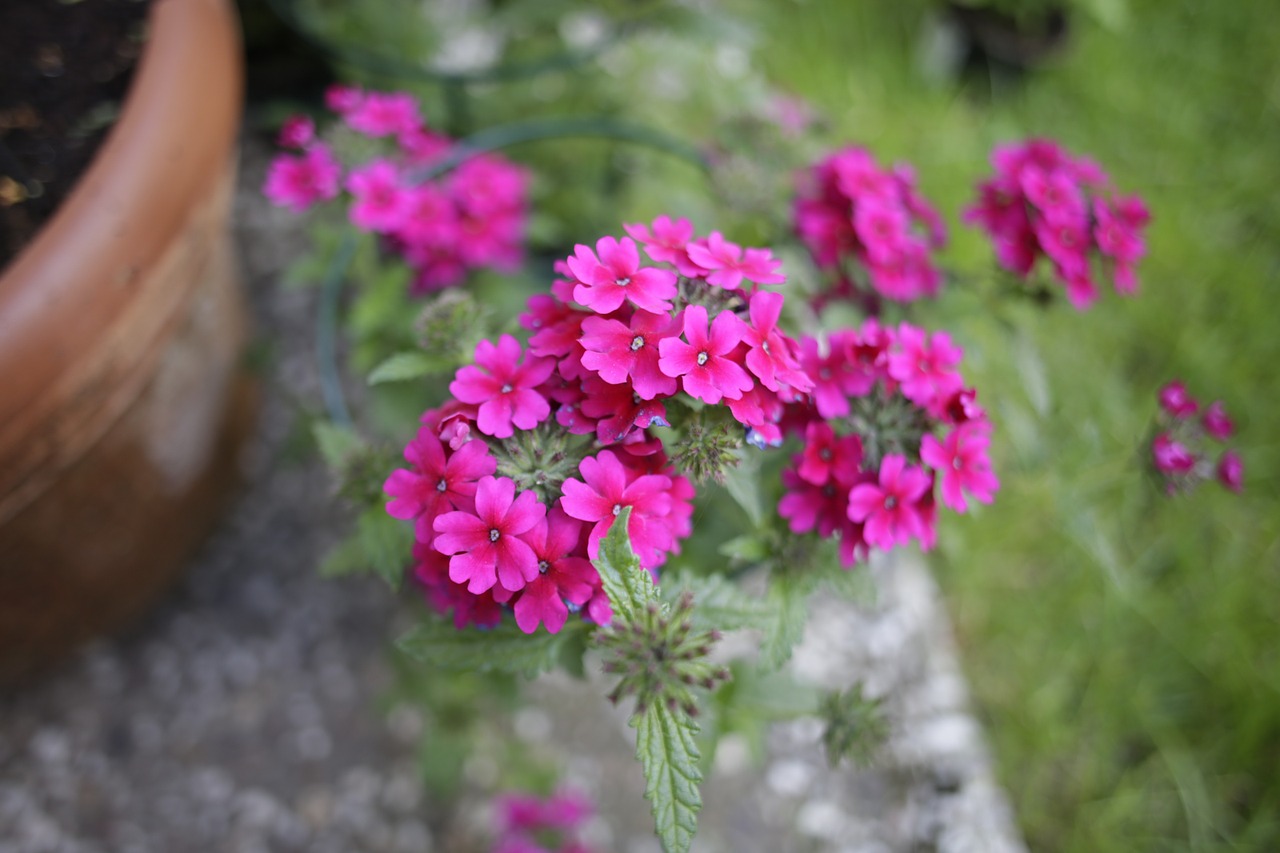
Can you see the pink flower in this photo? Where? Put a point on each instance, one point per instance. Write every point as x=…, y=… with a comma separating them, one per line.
x=824, y=508
x=343, y=99
x=836, y=375
x=1171, y=456
x=827, y=456
x=608, y=487
x=618, y=410
x=505, y=393
x=924, y=365
x=703, y=363
x=486, y=544
x=487, y=185
x=961, y=461
x=1216, y=422
x=727, y=267
x=436, y=484
x=667, y=242
x=381, y=204
x=299, y=181
x=615, y=277
x=881, y=225
x=1231, y=471
x=431, y=570
x=770, y=357
x=1175, y=400
x=618, y=352
x=1054, y=193
x=889, y=510
x=384, y=114
x=297, y=132
x=562, y=576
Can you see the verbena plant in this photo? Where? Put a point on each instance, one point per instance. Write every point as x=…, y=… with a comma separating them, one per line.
x=544, y=505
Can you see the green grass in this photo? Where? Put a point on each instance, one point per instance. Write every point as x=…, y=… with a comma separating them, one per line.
x=1122, y=645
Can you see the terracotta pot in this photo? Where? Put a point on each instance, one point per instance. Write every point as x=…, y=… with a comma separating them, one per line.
x=123, y=404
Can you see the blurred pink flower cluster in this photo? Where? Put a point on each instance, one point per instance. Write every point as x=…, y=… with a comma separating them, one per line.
x=1043, y=202
x=474, y=216
x=870, y=227
x=531, y=824
x=1183, y=451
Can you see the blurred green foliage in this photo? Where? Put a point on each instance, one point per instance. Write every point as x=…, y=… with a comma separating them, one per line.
x=1122, y=645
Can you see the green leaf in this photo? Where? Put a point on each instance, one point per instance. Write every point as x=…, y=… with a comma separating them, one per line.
x=336, y=443
x=719, y=603
x=504, y=648
x=630, y=588
x=746, y=549
x=669, y=755
x=386, y=542
x=346, y=558
x=1035, y=381
x=742, y=482
x=789, y=595
x=404, y=365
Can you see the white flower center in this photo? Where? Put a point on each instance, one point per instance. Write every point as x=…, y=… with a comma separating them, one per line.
x=494, y=533
x=442, y=486
x=702, y=358
x=637, y=342
x=617, y=508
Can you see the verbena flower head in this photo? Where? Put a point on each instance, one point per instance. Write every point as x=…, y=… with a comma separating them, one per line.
x=1183, y=447
x=473, y=217
x=619, y=403
x=1043, y=202
x=889, y=417
x=869, y=228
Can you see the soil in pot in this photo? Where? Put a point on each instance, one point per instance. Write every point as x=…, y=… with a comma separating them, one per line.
x=64, y=70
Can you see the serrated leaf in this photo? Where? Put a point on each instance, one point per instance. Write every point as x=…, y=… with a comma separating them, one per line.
x=336, y=443
x=789, y=595
x=504, y=648
x=669, y=755
x=630, y=588
x=403, y=366
x=719, y=603
x=386, y=542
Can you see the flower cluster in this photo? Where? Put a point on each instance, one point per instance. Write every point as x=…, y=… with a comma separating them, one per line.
x=872, y=451
x=532, y=824
x=870, y=226
x=513, y=483
x=1181, y=451
x=1044, y=202
x=474, y=217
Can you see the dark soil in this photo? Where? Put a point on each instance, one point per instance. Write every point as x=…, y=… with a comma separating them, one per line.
x=64, y=68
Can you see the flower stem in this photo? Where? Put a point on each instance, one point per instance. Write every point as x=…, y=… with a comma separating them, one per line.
x=533, y=130
x=335, y=401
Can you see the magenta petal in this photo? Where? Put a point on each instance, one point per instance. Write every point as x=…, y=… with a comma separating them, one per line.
x=516, y=563
x=525, y=513
x=493, y=498
x=494, y=417
x=863, y=501
x=582, y=502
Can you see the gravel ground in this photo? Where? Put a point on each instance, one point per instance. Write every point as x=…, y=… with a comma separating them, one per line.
x=241, y=715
